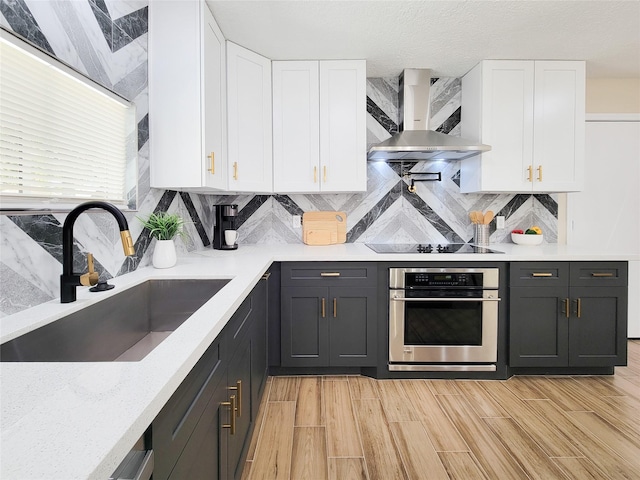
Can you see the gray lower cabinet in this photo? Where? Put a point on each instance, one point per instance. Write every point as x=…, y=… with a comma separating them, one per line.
x=204, y=429
x=568, y=314
x=328, y=315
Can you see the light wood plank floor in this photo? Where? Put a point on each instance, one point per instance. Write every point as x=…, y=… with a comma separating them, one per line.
x=352, y=427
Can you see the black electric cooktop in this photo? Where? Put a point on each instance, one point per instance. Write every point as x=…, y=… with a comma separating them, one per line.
x=428, y=248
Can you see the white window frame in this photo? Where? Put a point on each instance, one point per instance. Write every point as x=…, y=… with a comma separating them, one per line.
x=88, y=111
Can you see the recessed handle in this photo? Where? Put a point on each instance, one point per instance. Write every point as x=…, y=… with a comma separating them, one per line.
x=329, y=274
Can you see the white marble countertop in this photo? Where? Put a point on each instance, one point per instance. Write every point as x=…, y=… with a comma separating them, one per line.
x=78, y=420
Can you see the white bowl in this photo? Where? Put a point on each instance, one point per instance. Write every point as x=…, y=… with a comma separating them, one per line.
x=524, y=239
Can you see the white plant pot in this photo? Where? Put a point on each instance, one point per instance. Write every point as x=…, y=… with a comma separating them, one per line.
x=164, y=254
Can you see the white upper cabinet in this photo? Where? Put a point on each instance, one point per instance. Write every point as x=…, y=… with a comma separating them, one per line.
x=249, y=120
x=532, y=114
x=319, y=126
x=187, y=98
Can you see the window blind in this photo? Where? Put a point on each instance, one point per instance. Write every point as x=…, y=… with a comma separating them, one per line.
x=61, y=137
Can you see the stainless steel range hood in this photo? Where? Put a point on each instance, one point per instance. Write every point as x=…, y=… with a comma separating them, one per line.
x=415, y=141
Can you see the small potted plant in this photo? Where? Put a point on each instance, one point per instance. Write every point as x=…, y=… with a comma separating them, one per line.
x=164, y=227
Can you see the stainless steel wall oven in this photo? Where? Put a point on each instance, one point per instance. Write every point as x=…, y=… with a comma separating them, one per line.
x=443, y=319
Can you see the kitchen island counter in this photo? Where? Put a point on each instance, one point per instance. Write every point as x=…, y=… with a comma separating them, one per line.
x=78, y=420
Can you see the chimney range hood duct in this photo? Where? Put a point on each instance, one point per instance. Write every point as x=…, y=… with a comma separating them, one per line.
x=415, y=141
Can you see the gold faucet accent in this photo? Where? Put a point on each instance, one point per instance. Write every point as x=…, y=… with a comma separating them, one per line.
x=127, y=243
x=91, y=277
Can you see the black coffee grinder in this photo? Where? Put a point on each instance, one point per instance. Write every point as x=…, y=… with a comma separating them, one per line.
x=225, y=220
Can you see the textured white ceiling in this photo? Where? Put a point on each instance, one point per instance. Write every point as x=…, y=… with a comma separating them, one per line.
x=448, y=36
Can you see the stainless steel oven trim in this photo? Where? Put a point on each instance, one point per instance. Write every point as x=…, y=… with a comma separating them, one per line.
x=490, y=277
x=418, y=367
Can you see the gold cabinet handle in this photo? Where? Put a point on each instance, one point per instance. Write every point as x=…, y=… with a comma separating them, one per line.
x=530, y=173
x=212, y=169
x=235, y=170
x=238, y=390
x=324, y=174
x=539, y=173
x=606, y=274
x=566, y=307
x=232, y=417
x=545, y=274
x=266, y=276
x=329, y=274
x=335, y=307
x=323, y=307
x=315, y=174
x=578, y=307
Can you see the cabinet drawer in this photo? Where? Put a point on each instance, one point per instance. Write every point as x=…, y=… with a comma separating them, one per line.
x=328, y=274
x=529, y=274
x=239, y=324
x=175, y=422
x=598, y=274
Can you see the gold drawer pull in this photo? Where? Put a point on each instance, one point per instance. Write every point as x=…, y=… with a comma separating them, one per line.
x=238, y=389
x=235, y=170
x=266, y=276
x=539, y=173
x=324, y=174
x=545, y=274
x=212, y=169
x=566, y=307
x=330, y=274
x=232, y=417
x=335, y=307
x=530, y=173
x=323, y=307
x=315, y=174
x=608, y=274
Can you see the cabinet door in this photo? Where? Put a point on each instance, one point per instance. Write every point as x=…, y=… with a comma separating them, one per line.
x=175, y=146
x=205, y=454
x=214, y=112
x=539, y=327
x=239, y=384
x=343, y=156
x=304, y=328
x=260, y=307
x=352, y=340
x=249, y=125
x=597, y=331
x=559, y=112
x=497, y=109
x=296, y=136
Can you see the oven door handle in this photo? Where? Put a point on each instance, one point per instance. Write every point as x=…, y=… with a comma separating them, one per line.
x=403, y=299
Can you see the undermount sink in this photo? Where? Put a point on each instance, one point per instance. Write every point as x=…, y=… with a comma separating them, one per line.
x=125, y=327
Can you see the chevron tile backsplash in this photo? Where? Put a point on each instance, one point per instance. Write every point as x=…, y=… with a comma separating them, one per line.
x=107, y=40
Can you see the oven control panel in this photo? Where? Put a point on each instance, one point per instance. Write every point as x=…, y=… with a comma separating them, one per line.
x=441, y=278
x=423, y=279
